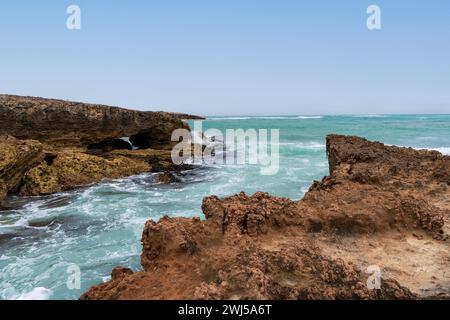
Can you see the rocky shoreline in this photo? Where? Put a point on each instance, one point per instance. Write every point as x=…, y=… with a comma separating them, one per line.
x=381, y=208
x=49, y=145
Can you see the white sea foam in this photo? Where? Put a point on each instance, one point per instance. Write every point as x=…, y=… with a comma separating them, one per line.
x=39, y=293
x=309, y=117
x=304, y=145
x=229, y=118
x=197, y=137
x=275, y=118
x=265, y=118
x=369, y=116
x=443, y=150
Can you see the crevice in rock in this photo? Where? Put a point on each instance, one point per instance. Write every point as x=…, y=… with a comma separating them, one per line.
x=153, y=138
x=50, y=158
x=109, y=145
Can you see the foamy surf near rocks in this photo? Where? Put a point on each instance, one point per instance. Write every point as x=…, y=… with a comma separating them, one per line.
x=382, y=213
x=39, y=293
x=49, y=145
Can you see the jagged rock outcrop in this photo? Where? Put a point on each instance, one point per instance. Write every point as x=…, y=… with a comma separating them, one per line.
x=185, y=116
x=65, y=123
x=49, y=145
x=382, y=209
x=166, y=177
x=16, y=158
x=70, y=169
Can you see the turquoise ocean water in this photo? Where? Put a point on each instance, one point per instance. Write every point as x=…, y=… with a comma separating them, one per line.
x=99, y=227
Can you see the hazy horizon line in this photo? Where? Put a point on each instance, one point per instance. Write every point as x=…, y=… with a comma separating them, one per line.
x=165, y=109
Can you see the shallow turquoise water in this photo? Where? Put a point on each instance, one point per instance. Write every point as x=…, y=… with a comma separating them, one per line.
x=99, y=227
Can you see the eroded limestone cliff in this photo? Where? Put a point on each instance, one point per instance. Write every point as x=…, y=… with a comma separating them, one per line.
x=68, y=124
x=16, y=158
x=49, y=145
x=381, y=208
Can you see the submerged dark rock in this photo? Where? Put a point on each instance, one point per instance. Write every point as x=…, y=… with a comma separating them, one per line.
x=166, y=177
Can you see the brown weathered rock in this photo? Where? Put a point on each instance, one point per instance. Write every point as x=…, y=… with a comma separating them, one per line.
x=64, y=170
x=3, y=192
x=381, y=207
x=42, y=179
x=79, y=144
x=69, y=170
x=16, y=158
x=66, y=123
x=368, y=162
x=148, y=155
x=166, y=177
x=185, y=116
x=159, y=160
x=120, y=273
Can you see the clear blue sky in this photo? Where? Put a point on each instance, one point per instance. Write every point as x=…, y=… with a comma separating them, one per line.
x=232, y=57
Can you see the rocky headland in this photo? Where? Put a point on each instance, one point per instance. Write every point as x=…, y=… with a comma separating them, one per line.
x=49, y=145
x=382, y=208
